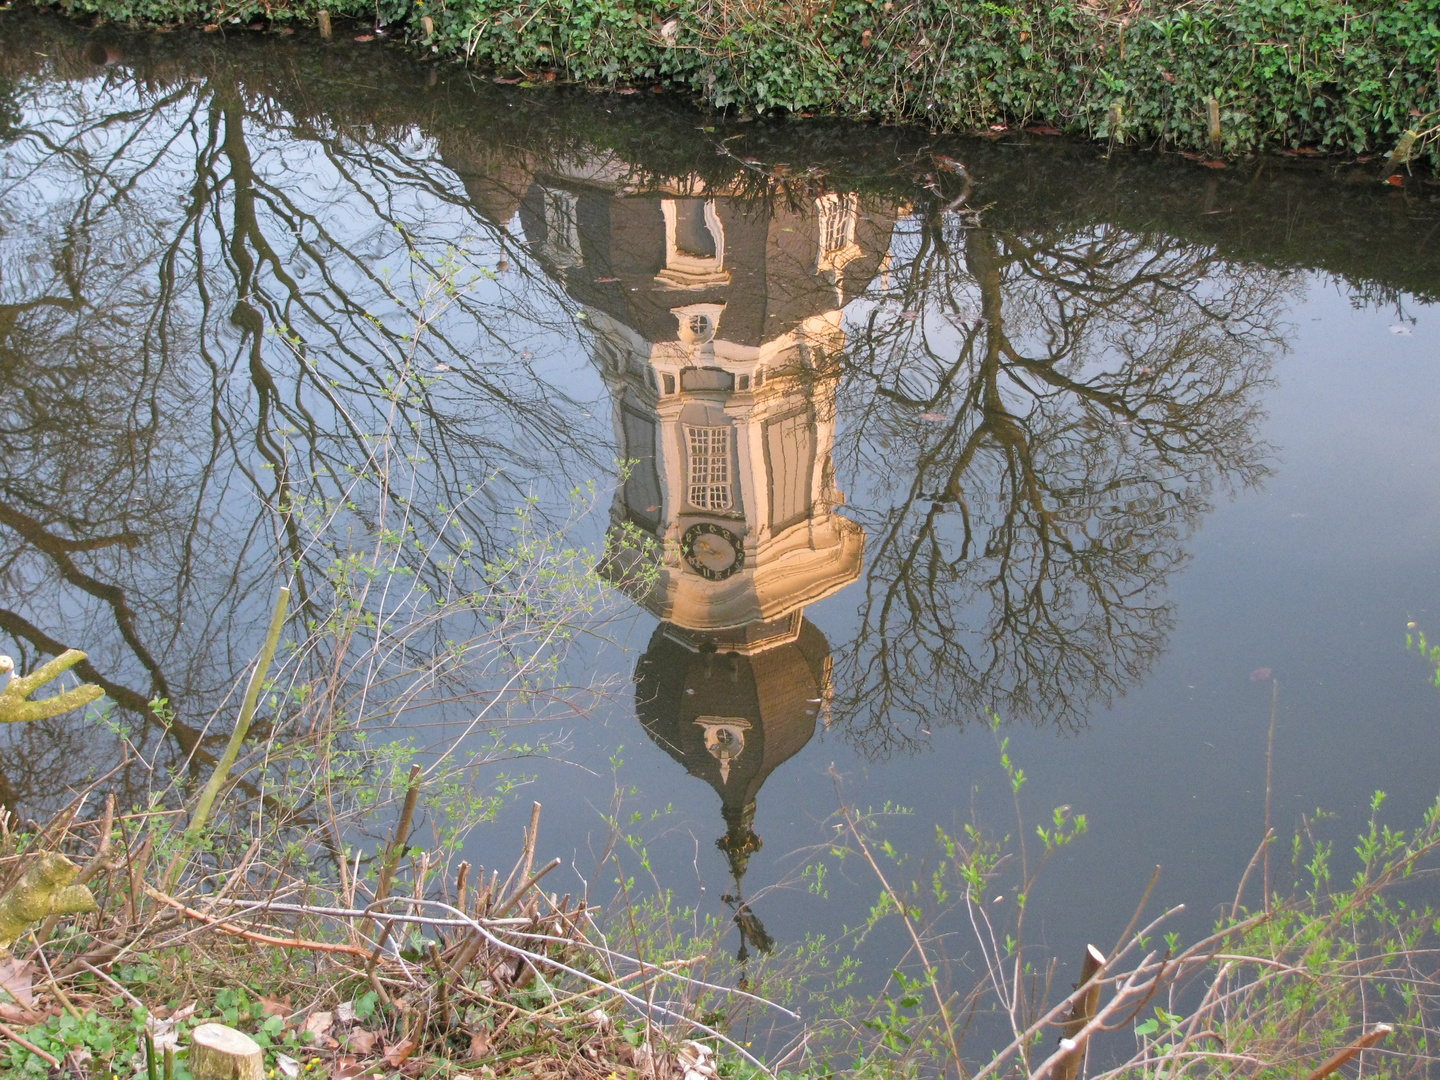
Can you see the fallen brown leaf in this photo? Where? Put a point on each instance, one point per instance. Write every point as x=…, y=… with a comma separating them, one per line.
x=346, y=1068
x=362, y=1042
x=276, y=1006
x=10, y=1013
x=15, y=980
x=479, y=1044
x=318, y=1024
x=395, y=1055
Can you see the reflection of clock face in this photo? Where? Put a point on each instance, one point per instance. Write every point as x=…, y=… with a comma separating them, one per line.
x=712, y=551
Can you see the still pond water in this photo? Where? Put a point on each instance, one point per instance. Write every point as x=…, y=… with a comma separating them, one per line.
x=1101, y=446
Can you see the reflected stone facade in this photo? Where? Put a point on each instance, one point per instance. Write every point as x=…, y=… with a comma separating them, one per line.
x=716, y=321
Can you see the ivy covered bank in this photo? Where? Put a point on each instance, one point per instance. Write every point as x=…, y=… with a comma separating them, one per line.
x=1220, y=77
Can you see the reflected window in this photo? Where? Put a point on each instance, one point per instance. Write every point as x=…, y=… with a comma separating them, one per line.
x=694, y=245
x=562, y=228
x=837, y=216
x=642, y=484
x=709, y=467
x=724, y=739
x=790, y=447
x=692, y=232
x=697, y=324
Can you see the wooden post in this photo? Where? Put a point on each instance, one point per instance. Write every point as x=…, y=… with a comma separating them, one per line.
x=390, y=862
x=427, y=25
x=462, y=878
x=1082, y=1010
x=322, y=19
x=218, y=1052
x=1213, y=108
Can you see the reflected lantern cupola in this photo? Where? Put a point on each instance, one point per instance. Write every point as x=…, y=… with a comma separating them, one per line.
x=731, y=720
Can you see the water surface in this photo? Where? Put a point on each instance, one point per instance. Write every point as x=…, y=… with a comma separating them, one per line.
x=1093, y=446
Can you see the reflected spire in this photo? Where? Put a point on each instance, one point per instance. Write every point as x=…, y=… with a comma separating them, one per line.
x=731, y=720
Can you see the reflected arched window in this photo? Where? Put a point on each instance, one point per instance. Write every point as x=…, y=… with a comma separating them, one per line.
x=562, y=228
x=837, y=216
x=692, y=232
x=694, y=245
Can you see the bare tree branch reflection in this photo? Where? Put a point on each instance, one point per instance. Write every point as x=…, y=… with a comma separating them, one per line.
x=204, y=321
x=1037, y=420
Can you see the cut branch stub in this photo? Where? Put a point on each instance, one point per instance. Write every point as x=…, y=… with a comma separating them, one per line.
x=45, y=890
x=15, y=704
x=218, y=1052
x=1082, y=1011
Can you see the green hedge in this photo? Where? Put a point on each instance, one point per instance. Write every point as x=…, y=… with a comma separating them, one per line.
x=1345, y=77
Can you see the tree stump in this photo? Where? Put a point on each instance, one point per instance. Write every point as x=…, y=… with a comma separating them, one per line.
x=218, y=1052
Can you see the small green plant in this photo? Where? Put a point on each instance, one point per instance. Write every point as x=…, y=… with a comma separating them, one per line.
x=1415, y=639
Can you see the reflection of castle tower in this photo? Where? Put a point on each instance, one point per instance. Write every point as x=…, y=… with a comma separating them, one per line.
x=717, y=322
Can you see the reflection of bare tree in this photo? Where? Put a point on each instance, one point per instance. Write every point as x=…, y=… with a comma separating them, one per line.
x=204, y=303
x=204, y=318
x=1037, y=422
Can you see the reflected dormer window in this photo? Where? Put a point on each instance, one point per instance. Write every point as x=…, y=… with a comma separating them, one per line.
x=562, y=228
x=724, y=739
x=709, y=467
x=694, y=245
x=693, y=237
x=837, y=216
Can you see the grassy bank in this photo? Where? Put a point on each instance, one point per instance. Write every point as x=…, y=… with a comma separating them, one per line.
x=423, y=969
x=1340, y=77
